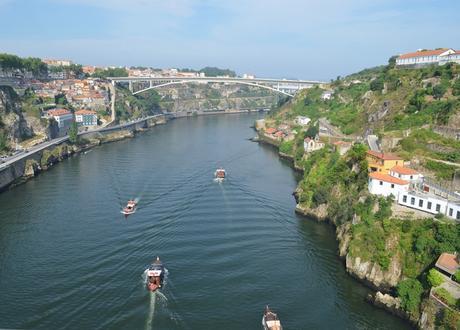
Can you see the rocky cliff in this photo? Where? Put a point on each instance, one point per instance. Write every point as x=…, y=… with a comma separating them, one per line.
x=16, y=125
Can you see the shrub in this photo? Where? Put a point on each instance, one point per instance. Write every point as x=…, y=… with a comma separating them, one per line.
x=410, y=292
x=435, y=278
x=445, y=296
x=457, y=276
x=439, y=91
x=449, y=320
x=287, y=147
x=376, y=84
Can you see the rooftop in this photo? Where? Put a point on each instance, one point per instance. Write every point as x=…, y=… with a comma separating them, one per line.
x=448, y=262
x=59, y=112
x=423, y=53
x=387, y=178
x=404, y=170
x=85, y=112
x=383, y=156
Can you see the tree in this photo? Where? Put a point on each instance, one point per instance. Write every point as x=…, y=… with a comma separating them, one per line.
x=410, y=292
x=456, y=87
x=439, y=91
x=312, y=131
x=60, y=99
x=434, y=277
x=73, y=133
x=376, y=84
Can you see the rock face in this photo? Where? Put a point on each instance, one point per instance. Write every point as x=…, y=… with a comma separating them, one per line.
x=372, y=274
x=389, y=303
x=14, y=126
x=319, y=213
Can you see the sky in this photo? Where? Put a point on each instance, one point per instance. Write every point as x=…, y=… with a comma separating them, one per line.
x=306, y=39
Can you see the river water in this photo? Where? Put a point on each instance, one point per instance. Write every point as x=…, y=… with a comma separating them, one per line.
x=69, y=259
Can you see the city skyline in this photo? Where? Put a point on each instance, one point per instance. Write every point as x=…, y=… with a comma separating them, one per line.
x=269, y=39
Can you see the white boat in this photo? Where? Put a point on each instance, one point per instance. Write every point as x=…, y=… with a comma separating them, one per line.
x=220, y=174
x=270, y=320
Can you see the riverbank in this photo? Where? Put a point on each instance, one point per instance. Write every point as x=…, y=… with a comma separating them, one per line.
x=41, y=160
x=29, y=167
x=368, y=273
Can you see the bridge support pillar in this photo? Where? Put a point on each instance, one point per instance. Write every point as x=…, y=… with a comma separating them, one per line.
x=130, y=86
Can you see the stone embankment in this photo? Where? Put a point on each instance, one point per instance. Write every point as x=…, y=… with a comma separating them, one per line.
x=30, y=166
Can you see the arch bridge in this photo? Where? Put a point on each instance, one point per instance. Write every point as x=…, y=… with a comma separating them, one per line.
x=288, y=87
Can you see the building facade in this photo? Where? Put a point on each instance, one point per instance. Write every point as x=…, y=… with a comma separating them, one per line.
x=439, y=56
x=381, y=162
x=64, y=119
x=385, y=185
x=86, y=118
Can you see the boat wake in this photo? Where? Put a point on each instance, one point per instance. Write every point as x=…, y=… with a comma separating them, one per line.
x=153, y=299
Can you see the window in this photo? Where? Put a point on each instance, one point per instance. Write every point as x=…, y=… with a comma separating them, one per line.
x=411, y=177
x=450, y=212
x=392, y=185
x=381, y=183
x=412, y=201
x=420, y=202
x=438, y=207
x=458, y=215
x=429, y=206
x=404, y=199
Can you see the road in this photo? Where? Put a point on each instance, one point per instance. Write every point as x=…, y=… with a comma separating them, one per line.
x=373, y=142
x=11, y=160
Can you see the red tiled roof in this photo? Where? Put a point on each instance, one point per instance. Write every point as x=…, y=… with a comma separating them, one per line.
x=85, y=112
x=404, y=170
x=381, y=155
x=59, y=112
x=341, y=143
x=423, y=53
x=270, y=130
x=387, y=178
x=448, y=262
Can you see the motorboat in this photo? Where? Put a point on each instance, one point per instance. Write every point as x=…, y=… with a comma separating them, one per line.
x=130, y=208
x=155, y=275
x=270, y=320
x=220, y=174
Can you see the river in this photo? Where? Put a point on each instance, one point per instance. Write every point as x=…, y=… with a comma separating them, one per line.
x=69, y=259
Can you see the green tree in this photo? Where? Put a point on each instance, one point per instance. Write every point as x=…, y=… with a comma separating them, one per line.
x=377, y=84
x=73, y=133
x=456, y=87
x=457, y=276
x=434, y=277
x=312, y=131
x=439, y=91
x=410, y=292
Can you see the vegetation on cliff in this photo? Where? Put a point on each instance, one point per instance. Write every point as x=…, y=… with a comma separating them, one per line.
x=129, y=106
x=401, y=104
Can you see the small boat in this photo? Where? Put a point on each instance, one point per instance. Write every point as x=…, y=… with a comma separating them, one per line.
x=270, y=320
x=219, y=174
x=155, y=275
x=130, y=208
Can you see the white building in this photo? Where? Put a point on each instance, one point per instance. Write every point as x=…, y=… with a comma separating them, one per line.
x=430, y=203
x=86, y=118
x=425, y=57
x=310, y=145
x=64, y=119
x=302, y=121
x=327, y=95
x=405, y=173
x=386, y=185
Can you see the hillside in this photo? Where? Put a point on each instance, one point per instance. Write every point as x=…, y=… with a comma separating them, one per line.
x=415, y=113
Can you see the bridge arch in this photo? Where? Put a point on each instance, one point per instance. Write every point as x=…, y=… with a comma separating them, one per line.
x=179, y=82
